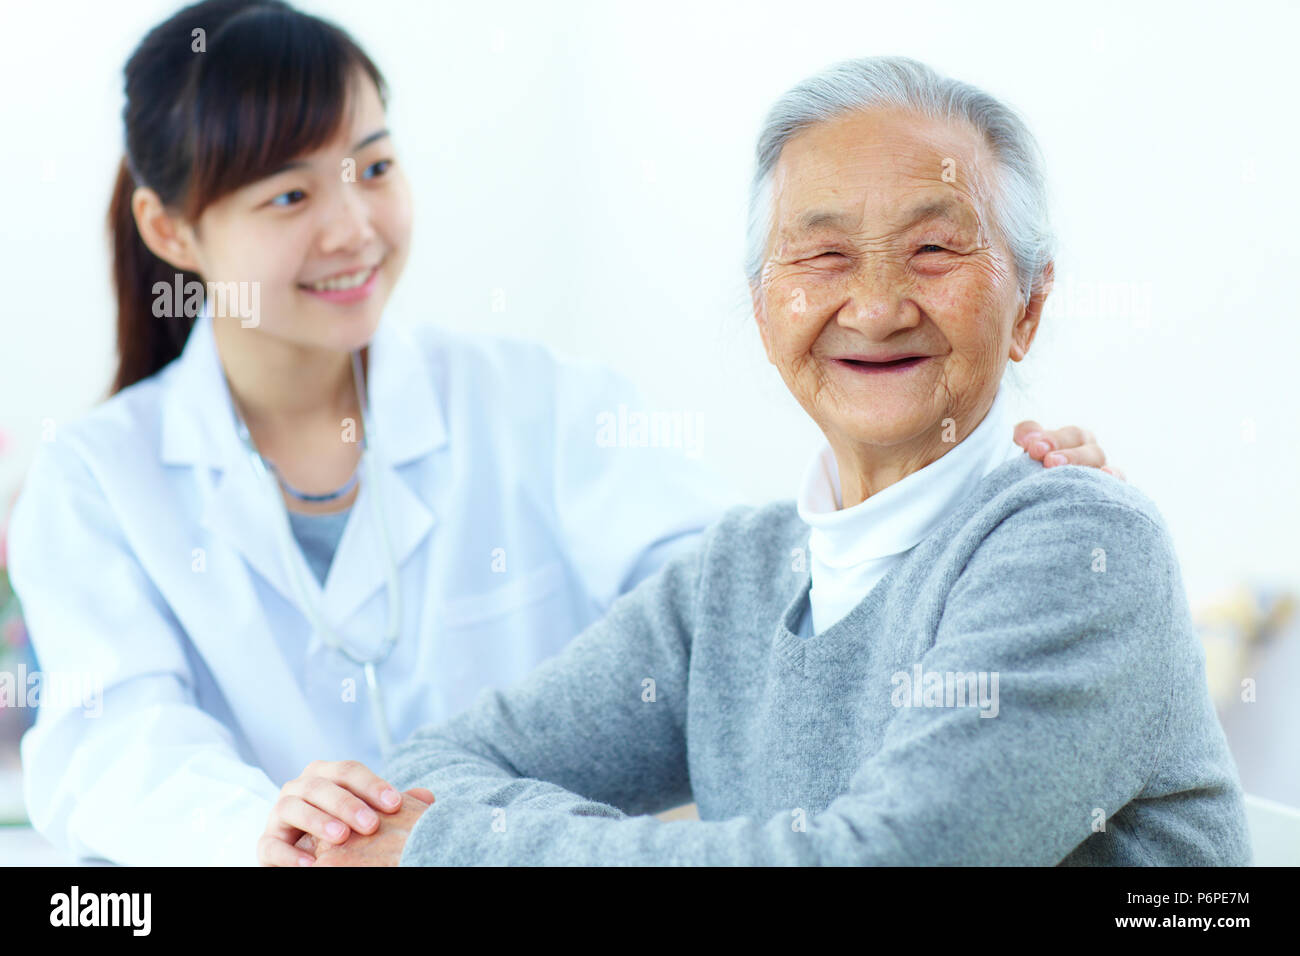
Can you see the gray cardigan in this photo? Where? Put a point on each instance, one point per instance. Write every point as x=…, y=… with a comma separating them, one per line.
x=1024, y=687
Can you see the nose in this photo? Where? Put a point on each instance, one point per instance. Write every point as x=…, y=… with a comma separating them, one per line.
x=876, y=301
x=348, y=228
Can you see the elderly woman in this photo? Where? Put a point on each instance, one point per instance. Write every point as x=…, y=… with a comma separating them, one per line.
x=941, y=653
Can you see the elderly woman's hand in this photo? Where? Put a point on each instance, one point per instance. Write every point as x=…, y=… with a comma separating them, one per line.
x=1064, y=446
x=382, y=848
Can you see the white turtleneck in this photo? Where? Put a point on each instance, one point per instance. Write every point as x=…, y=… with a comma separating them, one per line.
x=851, y=549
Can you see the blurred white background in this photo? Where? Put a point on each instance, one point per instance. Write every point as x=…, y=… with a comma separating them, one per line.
x=580, y=174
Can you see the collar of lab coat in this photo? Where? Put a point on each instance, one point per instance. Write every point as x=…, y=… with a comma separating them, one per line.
x=198, y=430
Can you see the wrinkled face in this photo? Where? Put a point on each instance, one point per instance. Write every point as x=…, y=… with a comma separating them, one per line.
x=340, y=214
x=882, y=247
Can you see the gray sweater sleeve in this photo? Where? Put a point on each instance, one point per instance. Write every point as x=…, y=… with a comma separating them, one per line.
x=1082, y=657
x=596, y=731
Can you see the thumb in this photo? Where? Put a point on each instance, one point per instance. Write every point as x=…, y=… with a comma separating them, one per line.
x=420, y=793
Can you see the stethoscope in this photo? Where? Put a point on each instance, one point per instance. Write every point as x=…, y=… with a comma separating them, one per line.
x=267, y=474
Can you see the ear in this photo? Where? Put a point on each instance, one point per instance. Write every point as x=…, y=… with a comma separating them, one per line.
x=165, y=235
x=1022, y=335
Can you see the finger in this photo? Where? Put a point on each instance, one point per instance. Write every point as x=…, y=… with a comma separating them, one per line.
x=1035, y=439
x=1112, y=470
x=420, y=793
x=1089, y=455
x=1026, y=431
x=281, y=832
x=345, y=806
x=306, y=817
x=1071, y=437
x=361, y=780
x=273, y=852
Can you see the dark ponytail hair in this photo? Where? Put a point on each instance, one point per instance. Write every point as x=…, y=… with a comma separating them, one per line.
x=220, y=95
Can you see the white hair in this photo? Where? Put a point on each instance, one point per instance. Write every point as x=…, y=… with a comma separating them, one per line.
x=1020, y=208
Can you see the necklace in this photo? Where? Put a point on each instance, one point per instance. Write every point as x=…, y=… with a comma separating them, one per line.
x=337, y=493
x=343, y=489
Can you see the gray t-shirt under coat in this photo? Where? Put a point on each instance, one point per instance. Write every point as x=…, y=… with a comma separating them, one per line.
x=318, y=536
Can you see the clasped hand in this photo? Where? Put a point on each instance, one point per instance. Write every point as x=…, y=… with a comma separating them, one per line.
x=326, y=816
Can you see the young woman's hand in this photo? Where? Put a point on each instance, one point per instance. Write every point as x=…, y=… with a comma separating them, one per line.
x=327, y=801
x=1065, y=446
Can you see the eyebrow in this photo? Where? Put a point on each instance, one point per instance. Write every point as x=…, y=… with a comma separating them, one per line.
x=299, y=164
x=930, y=209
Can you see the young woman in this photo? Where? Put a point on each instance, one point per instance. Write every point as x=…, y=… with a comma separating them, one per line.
x=296, y=533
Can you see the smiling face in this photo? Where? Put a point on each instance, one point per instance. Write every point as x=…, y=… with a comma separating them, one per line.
x=882, y=246
x=336, y=217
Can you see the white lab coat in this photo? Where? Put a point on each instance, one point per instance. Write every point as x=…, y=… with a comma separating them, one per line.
x=143, y=550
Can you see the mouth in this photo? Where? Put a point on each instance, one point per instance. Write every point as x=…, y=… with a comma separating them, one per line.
x=346, y=287
x=883, y=368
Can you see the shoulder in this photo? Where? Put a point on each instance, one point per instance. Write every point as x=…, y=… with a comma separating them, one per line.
x=522, y=366
x=1056, y=530
x=755, y=541
x=499, y=383
x=485, y=351
x=67, y=489
x=1074, y=495
x=119, y=433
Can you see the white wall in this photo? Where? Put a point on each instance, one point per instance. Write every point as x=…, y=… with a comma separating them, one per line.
x=586, y=164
